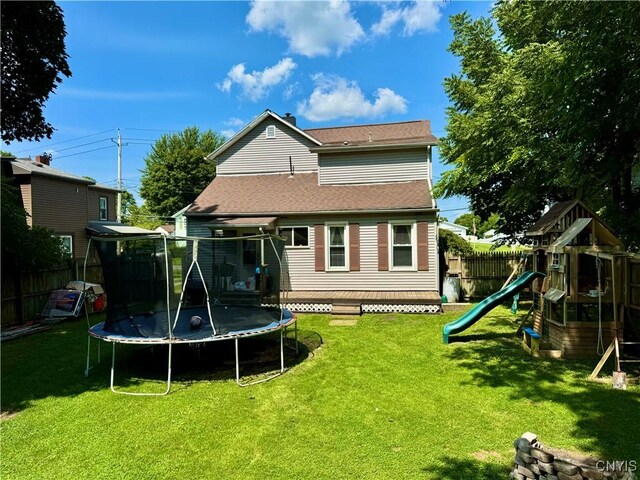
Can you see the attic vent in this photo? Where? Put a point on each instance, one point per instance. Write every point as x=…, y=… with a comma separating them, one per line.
x=271, y=131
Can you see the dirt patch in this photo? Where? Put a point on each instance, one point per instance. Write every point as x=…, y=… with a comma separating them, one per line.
x=346, y=321
x=486, y=456
x=4, y=416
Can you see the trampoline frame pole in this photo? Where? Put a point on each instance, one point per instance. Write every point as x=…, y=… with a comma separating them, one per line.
x=139, y=394
x=237, y=364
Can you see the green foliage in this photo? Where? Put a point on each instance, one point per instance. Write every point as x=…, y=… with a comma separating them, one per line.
x=450, y=242
x=142, y=217
x=23, y=247
x=33, y=60
x=545, y=109
x=175, y=170
x=128, y=207
x=475, y=224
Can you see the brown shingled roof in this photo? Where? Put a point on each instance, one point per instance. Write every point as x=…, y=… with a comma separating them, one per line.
x=549, y=219
x=418, y=131
x=300, y=193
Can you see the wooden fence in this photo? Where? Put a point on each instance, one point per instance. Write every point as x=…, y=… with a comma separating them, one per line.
x=25, y=294
x=481, y=273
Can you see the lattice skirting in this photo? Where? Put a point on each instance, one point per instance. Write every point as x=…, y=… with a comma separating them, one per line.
x=309, y=307
x=390, y=308
x=366, y=308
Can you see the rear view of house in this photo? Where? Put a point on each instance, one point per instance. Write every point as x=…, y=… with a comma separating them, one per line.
x=355, y=204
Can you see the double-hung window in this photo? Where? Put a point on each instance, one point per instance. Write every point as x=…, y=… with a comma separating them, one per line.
x=337, y=246
x=403, y=246
x=103, y=208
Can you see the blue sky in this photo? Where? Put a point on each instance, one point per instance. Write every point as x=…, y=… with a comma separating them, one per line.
x=153, y=67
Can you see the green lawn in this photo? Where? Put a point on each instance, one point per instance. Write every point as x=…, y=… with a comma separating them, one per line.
x=488, y=247
x=384, y=399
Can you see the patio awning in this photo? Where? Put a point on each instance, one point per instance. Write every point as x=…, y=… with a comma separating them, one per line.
x=115, y=228
x=268, y=223
x=570, y=233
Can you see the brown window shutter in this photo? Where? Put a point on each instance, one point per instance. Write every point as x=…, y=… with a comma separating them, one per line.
x=318, y=235
x=383, y=247
x=354, y=247
x=423, y=246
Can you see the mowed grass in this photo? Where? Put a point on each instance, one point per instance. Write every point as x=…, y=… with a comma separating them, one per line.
x=384, y=399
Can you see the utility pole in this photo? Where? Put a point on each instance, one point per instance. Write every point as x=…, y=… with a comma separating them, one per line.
x=119, y=197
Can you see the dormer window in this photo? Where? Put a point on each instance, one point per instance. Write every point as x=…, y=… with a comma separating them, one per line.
x=271, y=131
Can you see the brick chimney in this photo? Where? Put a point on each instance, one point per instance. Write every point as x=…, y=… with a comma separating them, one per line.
x=43, y=159
x=289, y=118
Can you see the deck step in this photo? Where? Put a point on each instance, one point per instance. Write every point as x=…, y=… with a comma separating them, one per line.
x=346, y=309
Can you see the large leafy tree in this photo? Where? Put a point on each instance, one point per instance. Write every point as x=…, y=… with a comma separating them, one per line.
x=545, y=109
x=24, y=247
x=175, y=170
x=34, y=60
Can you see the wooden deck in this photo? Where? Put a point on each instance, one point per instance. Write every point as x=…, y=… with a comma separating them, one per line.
x=354, y=297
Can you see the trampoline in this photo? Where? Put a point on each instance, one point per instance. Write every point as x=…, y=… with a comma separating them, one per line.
x=191, y=290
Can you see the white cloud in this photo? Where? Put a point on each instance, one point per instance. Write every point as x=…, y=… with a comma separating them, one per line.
x=234, y=122
x=257, y=84
x=419, y=16
x=312, y=28
x=228, y=133
x=291, y=90
x=334, y=97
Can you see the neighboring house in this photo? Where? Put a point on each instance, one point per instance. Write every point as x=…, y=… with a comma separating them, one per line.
x=354, y=202
x=168, y=230
x=455, y=228
x=64, y=202
x=180, y=220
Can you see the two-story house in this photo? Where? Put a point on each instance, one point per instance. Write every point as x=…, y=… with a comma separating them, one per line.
x=66, y=203
x=354, y=202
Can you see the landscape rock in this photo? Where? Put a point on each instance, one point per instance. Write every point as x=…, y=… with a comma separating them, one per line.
x=526, y=472
x=565, y=467
x=531, y=437
x=592, y=473
x=546, y=467
x=526, y=457
x=522, y=445
x=564, y=476
x=542, y=455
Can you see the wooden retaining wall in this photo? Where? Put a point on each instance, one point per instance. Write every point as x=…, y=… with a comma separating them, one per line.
x=25, y=294
x=482, y=273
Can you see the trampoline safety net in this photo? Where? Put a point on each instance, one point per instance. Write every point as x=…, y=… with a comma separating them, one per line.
x=164, y=283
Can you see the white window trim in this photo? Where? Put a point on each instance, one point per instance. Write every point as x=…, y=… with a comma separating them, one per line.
x=106, y=208
x=269, y=130
x=297, y=247
x=70, y=237
x=414, y=245
x=327, y=248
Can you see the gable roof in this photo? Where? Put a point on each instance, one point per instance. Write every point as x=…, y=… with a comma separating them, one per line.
x=26, y=166
x=255, y=195
x=398, y=133
x=251, y=125
x=556, y=212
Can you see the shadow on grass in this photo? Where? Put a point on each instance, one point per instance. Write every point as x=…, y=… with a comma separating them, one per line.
x=52, y=363
x=453, y=468
x=607, y=420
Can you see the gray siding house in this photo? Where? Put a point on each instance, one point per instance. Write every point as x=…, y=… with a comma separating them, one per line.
x=355, y=203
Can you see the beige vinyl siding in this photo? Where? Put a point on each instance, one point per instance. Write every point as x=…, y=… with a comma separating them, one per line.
x=373, y=167
x=254, y=153
x=61, y=205
x=301, y=261
x=25, y=190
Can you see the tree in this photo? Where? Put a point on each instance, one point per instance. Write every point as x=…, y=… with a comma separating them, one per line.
x=24, y=247
x=175, y=170
x=140, y=216
x=545, y=109
x=475, y=225
x=128, y=206
x=33, y=60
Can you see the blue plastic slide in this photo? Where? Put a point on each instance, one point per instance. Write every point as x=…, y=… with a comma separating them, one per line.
x=489, y=303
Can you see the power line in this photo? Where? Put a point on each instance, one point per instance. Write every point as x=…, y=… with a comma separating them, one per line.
x=82, y=145
x=150, y=130
x=86, y=151
x=65, y=141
